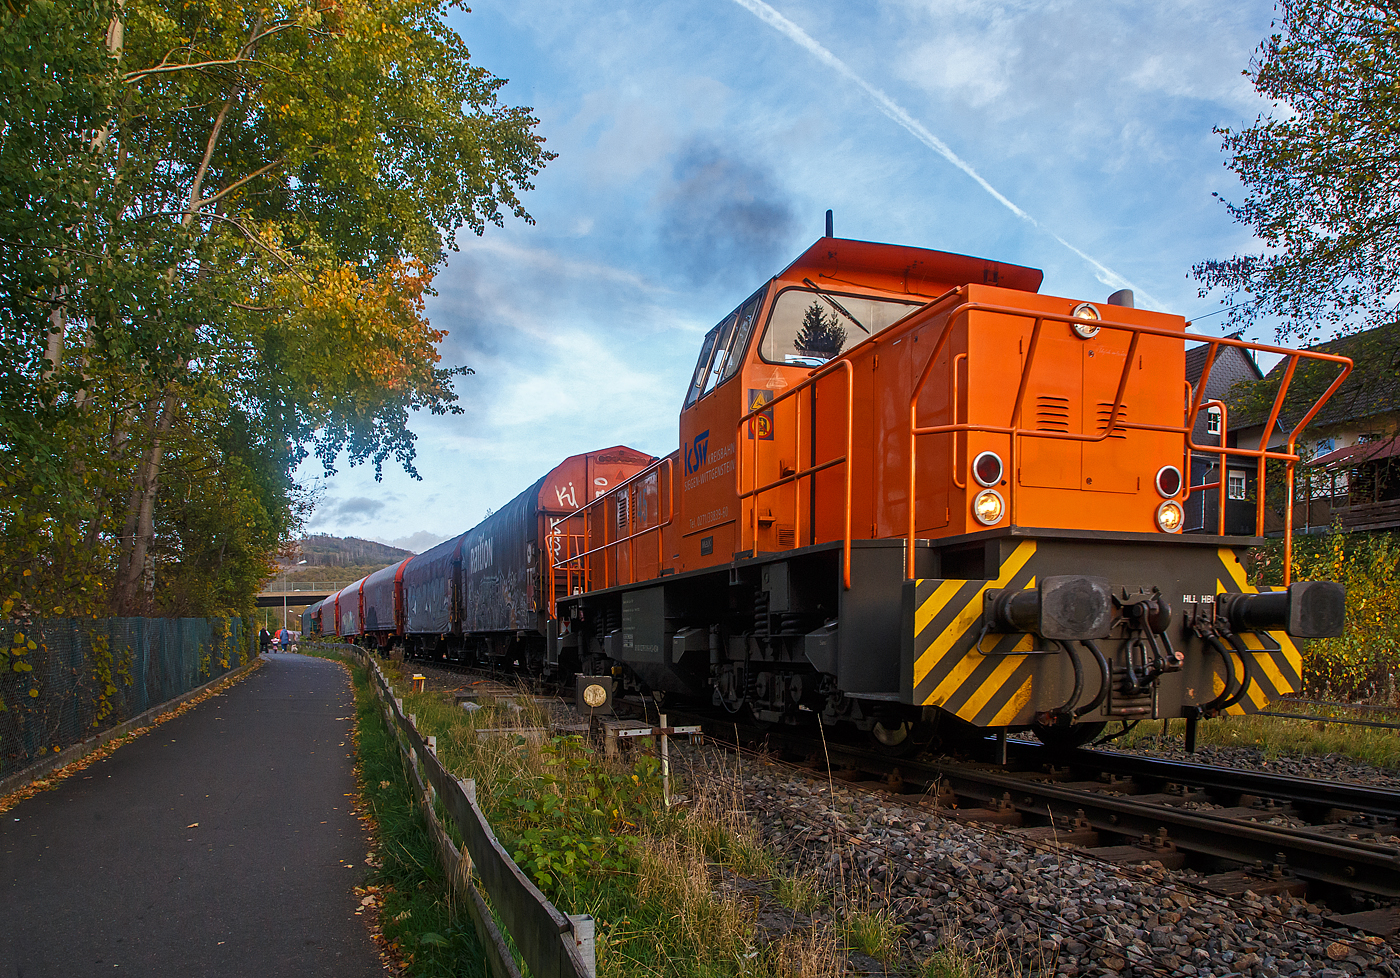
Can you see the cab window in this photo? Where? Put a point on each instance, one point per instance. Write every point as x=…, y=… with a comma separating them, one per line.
x=723, y=351
x=702, y=366
x=743, y=329
x=807, y=328
x=721, y=357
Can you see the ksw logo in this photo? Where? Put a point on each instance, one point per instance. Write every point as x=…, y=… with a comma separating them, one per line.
x=696, y=454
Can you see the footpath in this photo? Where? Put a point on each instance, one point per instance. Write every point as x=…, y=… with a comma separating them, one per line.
x=221, y=843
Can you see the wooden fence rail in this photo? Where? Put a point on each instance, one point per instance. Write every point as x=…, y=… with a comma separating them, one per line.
x=552, y=944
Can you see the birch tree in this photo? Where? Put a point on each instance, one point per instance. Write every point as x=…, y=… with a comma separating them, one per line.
x=276, y=187
x=1321, y=171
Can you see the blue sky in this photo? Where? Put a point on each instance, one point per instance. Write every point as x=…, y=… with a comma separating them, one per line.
x=700, y=143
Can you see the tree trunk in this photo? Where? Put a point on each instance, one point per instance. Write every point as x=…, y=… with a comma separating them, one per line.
x=134, y=567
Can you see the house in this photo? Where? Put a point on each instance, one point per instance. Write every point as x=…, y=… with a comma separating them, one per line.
x=1233, y=366
x=1351, y=447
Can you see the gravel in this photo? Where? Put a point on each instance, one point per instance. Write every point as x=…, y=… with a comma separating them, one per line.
x=1040, y=909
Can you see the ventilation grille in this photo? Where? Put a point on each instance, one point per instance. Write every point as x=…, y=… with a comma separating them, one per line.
x=1051, y=413
x=621, y=498
x=1104, y=412
x=787, y=537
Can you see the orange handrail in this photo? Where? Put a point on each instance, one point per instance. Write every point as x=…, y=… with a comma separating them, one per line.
x=576, y=562
x=1016, y=431
x=844, y=365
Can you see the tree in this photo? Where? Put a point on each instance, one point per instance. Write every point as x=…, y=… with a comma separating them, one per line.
x=821, y=334
x=268, y=191
x=55, y=91
x=1322, y=173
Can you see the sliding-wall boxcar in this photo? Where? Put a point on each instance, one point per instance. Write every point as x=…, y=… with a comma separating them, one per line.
x=349, y=610
x=382, y=600
x=481, y=596
x=311, y=619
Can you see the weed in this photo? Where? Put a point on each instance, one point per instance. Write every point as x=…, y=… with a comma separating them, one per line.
x=799, y=892
x=1277, y=737
x=874, y=932
x=813, y=953
x=417, y=918
x=956, y=959
x=952, y=963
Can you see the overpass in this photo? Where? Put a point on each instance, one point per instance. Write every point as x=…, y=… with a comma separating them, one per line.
x=298, y=594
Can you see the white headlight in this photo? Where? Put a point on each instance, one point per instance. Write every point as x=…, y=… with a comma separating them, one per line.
x=988, y=507
x=1089, y=327
x=1170, y=516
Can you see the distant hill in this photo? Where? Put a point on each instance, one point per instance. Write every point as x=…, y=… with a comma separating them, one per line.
x=322, y=550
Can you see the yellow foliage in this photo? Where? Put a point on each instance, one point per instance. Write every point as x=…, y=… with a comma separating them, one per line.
x=1362, y=663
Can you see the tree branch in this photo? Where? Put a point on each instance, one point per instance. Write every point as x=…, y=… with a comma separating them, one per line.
x=238, y=183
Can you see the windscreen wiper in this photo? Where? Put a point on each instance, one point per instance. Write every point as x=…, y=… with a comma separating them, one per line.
x=829, y=298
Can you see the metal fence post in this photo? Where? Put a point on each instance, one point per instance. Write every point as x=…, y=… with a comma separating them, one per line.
x=665, y=763
x=585, y=939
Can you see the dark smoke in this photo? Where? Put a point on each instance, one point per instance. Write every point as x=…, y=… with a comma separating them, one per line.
x=724, y=218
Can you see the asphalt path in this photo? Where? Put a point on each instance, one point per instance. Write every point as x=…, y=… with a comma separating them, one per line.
x=221, y=843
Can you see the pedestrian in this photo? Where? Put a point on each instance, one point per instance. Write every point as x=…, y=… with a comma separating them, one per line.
x=263, y=639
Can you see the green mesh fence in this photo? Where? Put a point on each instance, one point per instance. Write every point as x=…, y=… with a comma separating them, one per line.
x=62, y=680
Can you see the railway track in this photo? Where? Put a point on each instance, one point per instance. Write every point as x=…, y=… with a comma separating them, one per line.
x=1241, y=831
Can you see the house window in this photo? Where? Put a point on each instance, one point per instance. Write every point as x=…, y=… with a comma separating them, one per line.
x=1213, y=421
x=1325, y=445
x=1235, y=487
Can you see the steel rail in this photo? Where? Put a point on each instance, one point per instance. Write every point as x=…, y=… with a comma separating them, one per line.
x=1368, y=800
x=1349, y=864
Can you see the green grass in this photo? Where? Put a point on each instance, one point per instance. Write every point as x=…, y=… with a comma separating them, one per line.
x=951, y=963
x=1278, y=737
x=596, y=838
x=873, y=932
x=798, y=892
x=594, y=835
x=417, y=914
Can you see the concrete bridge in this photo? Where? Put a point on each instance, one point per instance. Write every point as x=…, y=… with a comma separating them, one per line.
x=297, y=594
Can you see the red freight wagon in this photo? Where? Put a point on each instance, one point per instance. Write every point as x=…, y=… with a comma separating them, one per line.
x=383, y=602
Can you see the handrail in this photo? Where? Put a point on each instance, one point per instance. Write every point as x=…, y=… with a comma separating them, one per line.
x=1221, y=482
x=576, y=561
x=292, y=587
x=1016, y=431
x=844, y=365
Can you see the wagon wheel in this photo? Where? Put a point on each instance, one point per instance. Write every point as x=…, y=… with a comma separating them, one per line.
x=902, y=739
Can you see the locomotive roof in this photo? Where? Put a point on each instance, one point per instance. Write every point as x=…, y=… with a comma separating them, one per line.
x=903, y=269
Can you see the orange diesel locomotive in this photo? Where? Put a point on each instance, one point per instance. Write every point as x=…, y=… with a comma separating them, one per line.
x=911, y=487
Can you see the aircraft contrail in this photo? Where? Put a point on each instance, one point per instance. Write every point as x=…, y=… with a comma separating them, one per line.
x=915, y=128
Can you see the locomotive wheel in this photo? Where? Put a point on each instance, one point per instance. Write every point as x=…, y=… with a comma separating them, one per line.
x=901, y=739
x=1059, y=738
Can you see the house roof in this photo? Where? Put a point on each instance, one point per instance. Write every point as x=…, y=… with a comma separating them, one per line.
x=1372, y=389
x=1233, y=365
x=1367, y=451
